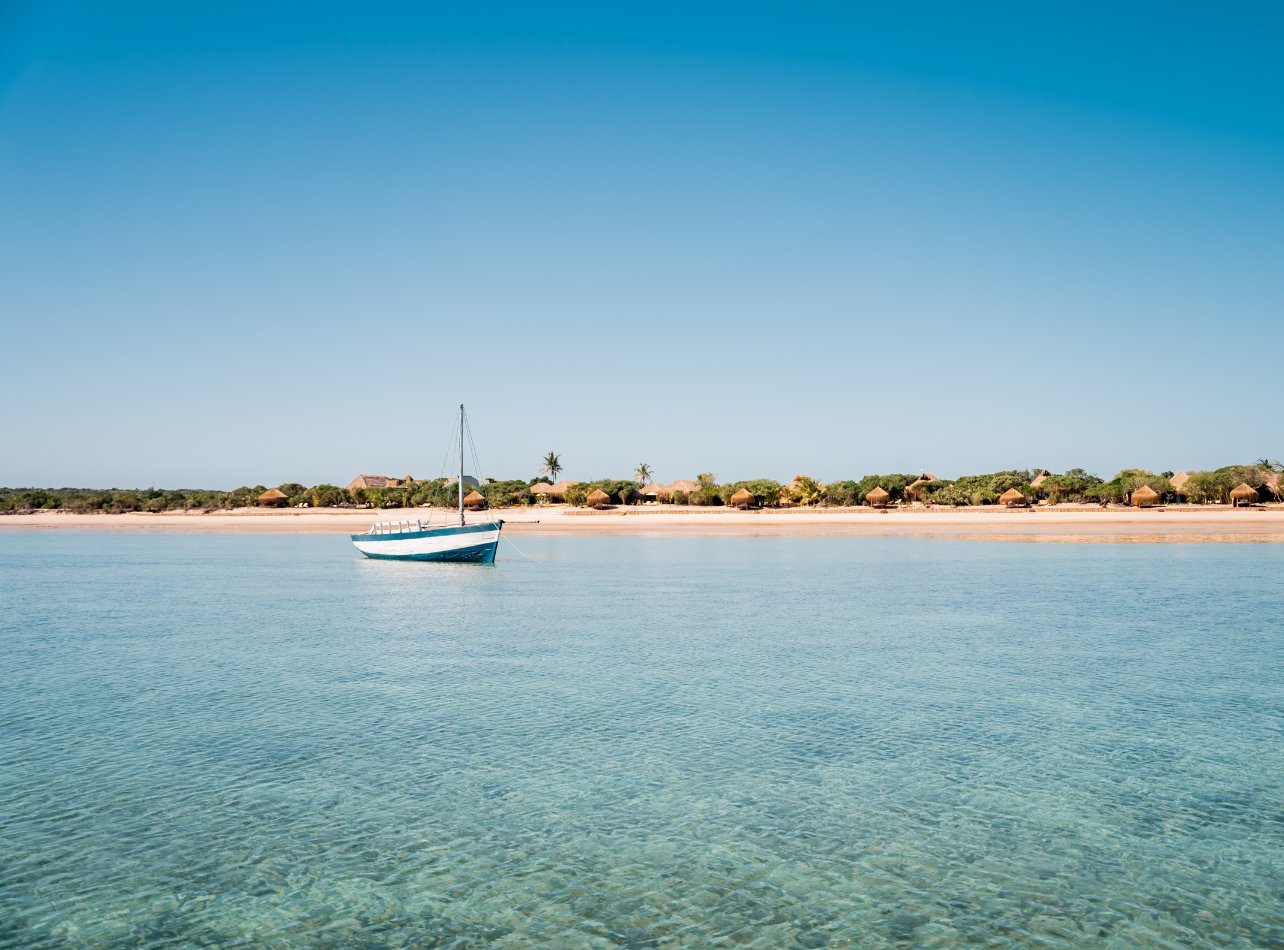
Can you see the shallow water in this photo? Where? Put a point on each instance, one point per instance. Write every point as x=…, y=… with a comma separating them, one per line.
x=671, y=742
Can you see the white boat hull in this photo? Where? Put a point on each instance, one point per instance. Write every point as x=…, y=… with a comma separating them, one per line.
x=474, y=543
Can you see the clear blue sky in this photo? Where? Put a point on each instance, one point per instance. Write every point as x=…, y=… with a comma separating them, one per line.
x=251, y=243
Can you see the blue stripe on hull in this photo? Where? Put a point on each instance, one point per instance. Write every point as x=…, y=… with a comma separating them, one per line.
x=477, y=554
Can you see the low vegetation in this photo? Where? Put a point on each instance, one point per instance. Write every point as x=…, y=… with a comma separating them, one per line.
x=1075, y=485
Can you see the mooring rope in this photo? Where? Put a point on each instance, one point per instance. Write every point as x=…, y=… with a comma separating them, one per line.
x=517, y=549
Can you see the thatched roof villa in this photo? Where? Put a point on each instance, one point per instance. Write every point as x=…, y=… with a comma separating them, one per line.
x=559, y=489
x=273, y=498
x=1014, y=499
x=1039, y=479
x=1178, y=482
x=877, y=497
x=654, y=492
x=545, y=493
x=372, y=481
x=1143, y=497
x=1243, y=494
x=684, y=485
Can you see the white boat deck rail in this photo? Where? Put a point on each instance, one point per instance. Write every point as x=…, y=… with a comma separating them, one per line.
x=396, y=527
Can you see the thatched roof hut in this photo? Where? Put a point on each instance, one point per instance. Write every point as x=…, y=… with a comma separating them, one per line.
x=796, y=482
x=877, y=497
x=1143, y=497
x=1243, y=494
x=1014, y=499
x=684, y=485
x=598, y=498
x=654, y=492
x=273, y=498
x=1179, y=481
x=1039, y=479
x=744, y=498
x=544, y=492
x=474, y=500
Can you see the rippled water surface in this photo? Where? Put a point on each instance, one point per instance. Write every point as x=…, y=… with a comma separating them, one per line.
x=761, y=742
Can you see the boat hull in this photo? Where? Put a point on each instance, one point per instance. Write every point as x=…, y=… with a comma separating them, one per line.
x=462, y=544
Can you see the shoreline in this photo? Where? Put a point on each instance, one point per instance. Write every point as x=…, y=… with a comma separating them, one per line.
x=1060, y=523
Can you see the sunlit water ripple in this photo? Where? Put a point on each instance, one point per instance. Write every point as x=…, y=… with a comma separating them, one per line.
x=759, y=742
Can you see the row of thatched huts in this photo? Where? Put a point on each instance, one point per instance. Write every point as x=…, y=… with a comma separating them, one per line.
x=544, y=493
x=1144, y=496
x=1241, y=495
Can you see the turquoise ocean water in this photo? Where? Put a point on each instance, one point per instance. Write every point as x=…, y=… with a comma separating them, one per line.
x=640, y=742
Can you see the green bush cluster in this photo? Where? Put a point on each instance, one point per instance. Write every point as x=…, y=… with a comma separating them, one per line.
x=764, y=489
x=112, y=500
x=1216, y=485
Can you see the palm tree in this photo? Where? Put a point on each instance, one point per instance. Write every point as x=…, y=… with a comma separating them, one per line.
x=552, y=465
x=642, y=474
x=809, y=490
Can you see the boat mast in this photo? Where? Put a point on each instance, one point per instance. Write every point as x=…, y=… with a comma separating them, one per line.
x=461, y=463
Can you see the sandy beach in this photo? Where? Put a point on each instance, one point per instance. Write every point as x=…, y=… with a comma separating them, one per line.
x=1063, y=523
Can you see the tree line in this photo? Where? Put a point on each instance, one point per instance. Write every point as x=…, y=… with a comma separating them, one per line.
x=1075, y=485
x=438, y=492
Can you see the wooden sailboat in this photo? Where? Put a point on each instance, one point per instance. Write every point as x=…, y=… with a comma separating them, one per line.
x=416, y=541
